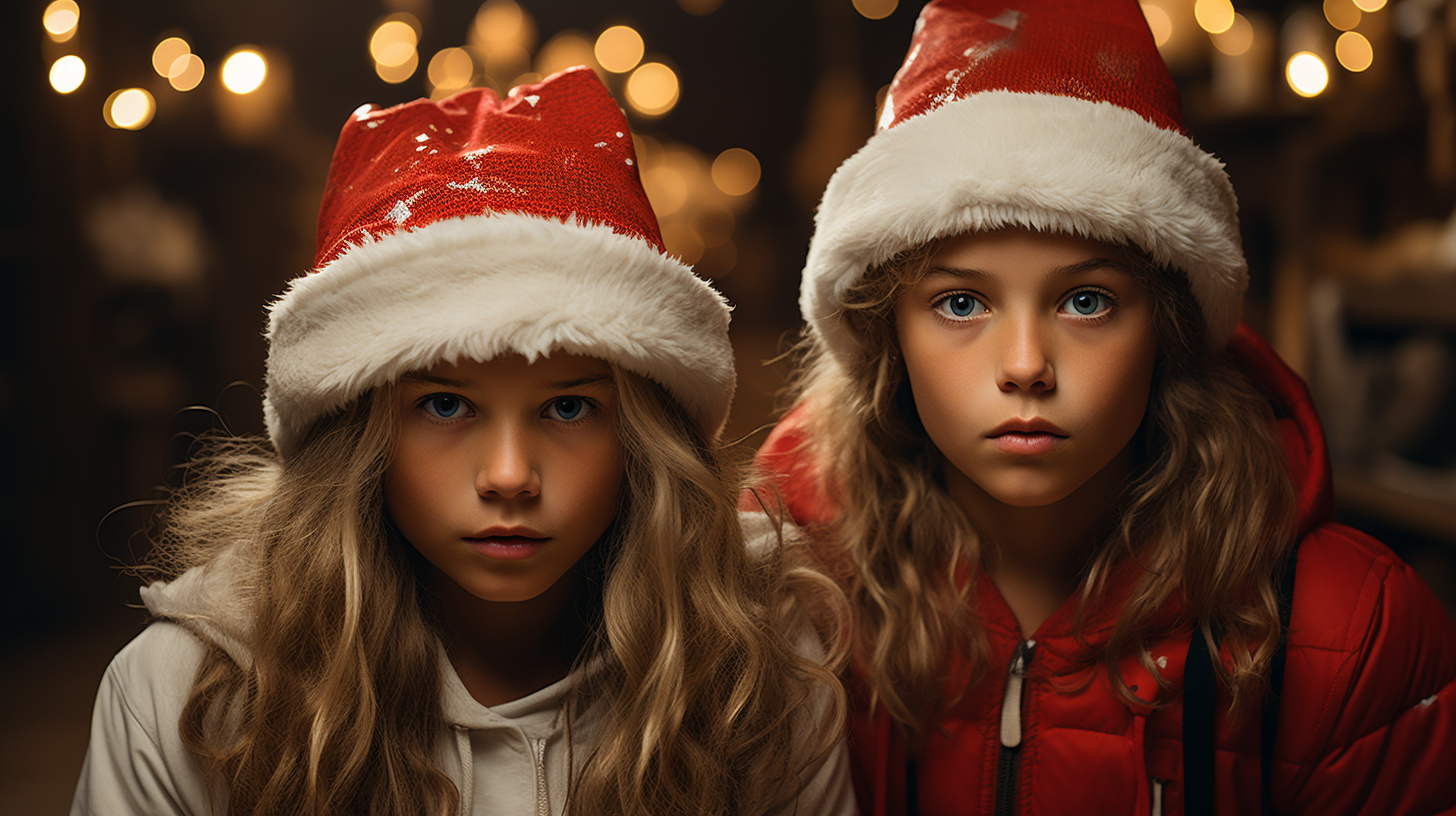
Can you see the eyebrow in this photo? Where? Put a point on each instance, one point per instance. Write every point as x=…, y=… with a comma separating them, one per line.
x=595, y=380
x=1060, y=272
x=431, y=379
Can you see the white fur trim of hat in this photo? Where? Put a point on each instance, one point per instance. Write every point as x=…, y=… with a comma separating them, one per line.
x=482, y=286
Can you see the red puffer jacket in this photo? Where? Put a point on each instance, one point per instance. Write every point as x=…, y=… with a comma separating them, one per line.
x=1367, y=721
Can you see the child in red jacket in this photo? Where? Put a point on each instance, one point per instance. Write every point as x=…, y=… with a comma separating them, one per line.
x=1054, y=473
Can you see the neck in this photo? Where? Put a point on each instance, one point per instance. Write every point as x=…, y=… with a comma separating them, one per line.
x=1036, y=555
x=503, y=651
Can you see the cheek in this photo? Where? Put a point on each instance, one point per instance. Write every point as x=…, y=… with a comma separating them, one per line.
x=594, y=478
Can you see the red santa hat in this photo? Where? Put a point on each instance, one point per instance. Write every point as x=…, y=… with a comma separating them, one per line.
x=478, y=226
x=1056, y=115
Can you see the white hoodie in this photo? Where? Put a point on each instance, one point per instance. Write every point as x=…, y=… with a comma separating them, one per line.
x=516, y=752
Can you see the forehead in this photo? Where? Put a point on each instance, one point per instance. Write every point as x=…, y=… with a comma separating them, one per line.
x=1022, y=251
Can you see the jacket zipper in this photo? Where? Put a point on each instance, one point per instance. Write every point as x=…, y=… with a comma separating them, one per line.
x=538, y=752
x=1010, y=760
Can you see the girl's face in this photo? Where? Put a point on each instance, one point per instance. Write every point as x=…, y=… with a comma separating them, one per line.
x=1030, y=357
x=506, y=472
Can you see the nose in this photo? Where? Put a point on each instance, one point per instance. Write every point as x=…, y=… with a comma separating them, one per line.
x=1025, y=363
x=507, y=467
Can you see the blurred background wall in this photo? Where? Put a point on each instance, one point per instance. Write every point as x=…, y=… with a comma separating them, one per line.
x=166, y=160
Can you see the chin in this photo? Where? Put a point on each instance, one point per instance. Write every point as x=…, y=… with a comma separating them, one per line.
x=1027, y=494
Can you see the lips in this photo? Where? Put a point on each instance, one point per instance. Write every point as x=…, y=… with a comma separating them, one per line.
x=508, y=542
x=1027, y=436
x=1034, y=425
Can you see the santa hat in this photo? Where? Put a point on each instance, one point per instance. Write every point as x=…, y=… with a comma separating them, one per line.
x=478, y=226
x=1055, y=115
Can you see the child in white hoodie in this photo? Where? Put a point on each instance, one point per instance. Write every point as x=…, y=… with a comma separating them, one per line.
x=488, y=560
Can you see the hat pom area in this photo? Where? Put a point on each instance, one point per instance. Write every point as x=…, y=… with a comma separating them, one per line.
x=996, y=120
x=478, y=226
x=480, y=287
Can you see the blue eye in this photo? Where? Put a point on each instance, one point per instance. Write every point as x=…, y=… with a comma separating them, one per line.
x=959, y=306
x=1087, y=303
x=568, y=409
x=443, y=406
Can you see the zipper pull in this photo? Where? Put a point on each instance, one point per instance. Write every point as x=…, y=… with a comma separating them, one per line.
x=1011, y=702
x=538, y=752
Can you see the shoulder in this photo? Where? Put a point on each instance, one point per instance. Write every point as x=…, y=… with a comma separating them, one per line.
x=151, y=678
x=1371, y=672
x=137, y=762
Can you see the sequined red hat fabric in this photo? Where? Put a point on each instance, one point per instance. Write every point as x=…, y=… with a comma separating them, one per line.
x=553, y=150
x=1101, y=52
x=477, y=226
x=1053, y=115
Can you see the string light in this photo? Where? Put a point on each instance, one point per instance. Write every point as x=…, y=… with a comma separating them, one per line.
x=1307, y=74
x=1354, y=51
x=451, y=68
x=395, y=74
x=167, y=52
x=563, y=51
x=1237, y=40
x=876, y=9
x=1214, y=16
x=186, y=72
x=1159, y=22
x=736, y=171
x=619, y=49
x=244, y=71
x=393, y=41
x=61, y=19
x=652, y=89
x=1342, y=14
x=67, y=73
x=129, y=109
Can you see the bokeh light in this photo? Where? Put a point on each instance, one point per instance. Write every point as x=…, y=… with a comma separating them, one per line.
x=186, y=72
x=1237, y=40
x=167, y=52
x=736, y=171
x=1370, y=5
x=129, y=109
x=683, y=241
x=1159, y=22
x=394, y=40
x=450, y=68
x=666, y=188
x=1307, y=74
x=244, y=70
x=1354, y=51
x=1214, y=16
x=875, y=9
x=1342, y=14
x=566, y=49
x=619, y=49
x=67, y=73
x=61, y=19
x=503, y=25
x=395, y=74
x=652, y=89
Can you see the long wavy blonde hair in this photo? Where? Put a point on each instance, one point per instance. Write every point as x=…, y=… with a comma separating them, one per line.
x=1208, y=514
x=339, y=711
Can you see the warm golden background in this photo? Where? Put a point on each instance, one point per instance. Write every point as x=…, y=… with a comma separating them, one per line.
x=141, y=232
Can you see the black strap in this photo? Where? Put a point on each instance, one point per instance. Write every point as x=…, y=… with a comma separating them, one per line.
x=1199, y=694
x=912, y=789
x=1269, y=722
x=1198, y=720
